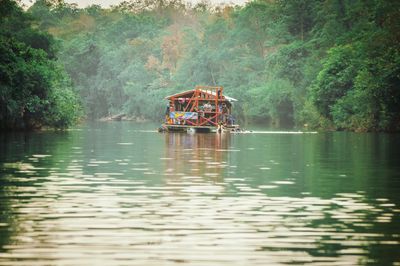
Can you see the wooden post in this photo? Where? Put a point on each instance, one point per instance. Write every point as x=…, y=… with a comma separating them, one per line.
x=196, y=94
x=216, y=105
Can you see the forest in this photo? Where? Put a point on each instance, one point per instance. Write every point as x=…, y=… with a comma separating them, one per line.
x=320, y=64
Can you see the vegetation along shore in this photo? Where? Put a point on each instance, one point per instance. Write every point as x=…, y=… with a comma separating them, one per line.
x=329, y=64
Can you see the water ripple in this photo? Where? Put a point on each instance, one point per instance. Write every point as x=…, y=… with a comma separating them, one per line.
x=200, y=200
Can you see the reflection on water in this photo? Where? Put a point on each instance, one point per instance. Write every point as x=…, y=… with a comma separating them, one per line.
x=120, y=194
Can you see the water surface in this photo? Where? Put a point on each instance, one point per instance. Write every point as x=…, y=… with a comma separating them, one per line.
x=122, y=194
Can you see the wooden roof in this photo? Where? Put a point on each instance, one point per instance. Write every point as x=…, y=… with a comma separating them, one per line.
x=189, y=93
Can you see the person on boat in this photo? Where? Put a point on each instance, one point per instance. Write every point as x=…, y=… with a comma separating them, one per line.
x=200, y=111
x=224, y=111
x=230, y=120
x=220, y=127
x=167, y=112
x=207, y=107
x=182, y=103
x=221, y=116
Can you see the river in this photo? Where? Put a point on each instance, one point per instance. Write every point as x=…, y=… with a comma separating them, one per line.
x=120, y=193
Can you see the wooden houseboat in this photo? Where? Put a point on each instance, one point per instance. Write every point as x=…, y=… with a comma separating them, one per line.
x=203, y=109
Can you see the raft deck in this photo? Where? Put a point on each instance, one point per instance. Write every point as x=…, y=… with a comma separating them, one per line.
x=205, y=129
x=184, y=128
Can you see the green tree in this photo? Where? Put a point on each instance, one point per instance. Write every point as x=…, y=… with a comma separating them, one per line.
x=331, y=64
x=33, y=86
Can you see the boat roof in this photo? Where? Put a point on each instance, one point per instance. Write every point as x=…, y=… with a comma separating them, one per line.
x=181, y=94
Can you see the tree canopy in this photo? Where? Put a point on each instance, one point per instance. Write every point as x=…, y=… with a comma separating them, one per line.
x=330, y=64
x=34, y=89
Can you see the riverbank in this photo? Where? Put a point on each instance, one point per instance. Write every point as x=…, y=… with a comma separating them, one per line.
x=123, y=117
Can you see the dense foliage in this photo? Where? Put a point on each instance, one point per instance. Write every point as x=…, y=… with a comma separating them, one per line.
x=34, y=90
x=331, y=64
